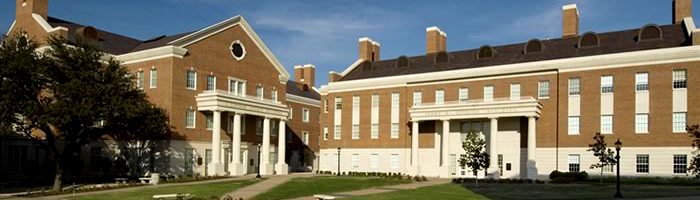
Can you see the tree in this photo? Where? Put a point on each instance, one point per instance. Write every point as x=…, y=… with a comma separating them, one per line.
x=605, y=155
x=694, y=168
x=69, y=95
x=475, y=157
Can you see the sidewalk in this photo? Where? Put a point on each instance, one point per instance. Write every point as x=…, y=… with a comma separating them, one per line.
x=390, y=188
x=267, y=184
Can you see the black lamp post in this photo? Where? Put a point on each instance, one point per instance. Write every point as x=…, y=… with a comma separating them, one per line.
x=338, y=162
x=618, y=146
x=258, y=168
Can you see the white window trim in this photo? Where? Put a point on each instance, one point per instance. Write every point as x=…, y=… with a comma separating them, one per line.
x=260, y=95
x=539, y=86
x=673, y=79
x=374, y=132
x=214, y=86
x=194, y=118
x=578, y=86
x=305, y=115
x=636, y=123
x=337, y=132
x=439, y=96
x=612, y=124
x=140, y=79
x=235, y=90
x=673, y=123
x=325, y=133
x=463, y=94
x=305, y=137
x=398, y=131
x=636, y=163
x=568, y=129
x=637, y=82
x=273, y=94
x=417, y=96
x=206, y=121
x=356, y=129
x=512, y=91
x=153, y=84
x=230, y=50
x=195, y=80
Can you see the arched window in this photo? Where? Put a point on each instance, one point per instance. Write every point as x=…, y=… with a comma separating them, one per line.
x=402, y=62
x=534, y=46
x=486, y=51
x=650, y=32
x=442, y=57
x=305, y=88
x=589, y=39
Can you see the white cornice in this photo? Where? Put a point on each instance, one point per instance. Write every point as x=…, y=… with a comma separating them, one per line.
x=152, y=54
x=303, y=100
x=353, y=66
x=11, y=26
x=47, y=27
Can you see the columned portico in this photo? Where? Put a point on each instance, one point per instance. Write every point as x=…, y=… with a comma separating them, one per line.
x=216, y=167
x=531, y=144
x=493, y=148
x=414, y=149
x=281, y=166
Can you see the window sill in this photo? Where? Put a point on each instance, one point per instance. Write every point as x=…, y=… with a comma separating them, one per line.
x=574, y=95
x=642, y=133
x=574, y=134
x=542, y=97
x=680, y=89
x=152, y=87
x=680, y=132
x=189, y=127
x=606, y=133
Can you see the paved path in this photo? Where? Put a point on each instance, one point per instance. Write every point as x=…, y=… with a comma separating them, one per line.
x=390, y=188
x=262, y=186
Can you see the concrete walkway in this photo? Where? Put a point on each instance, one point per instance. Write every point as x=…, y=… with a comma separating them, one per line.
x=390, y=188
x=267, y=184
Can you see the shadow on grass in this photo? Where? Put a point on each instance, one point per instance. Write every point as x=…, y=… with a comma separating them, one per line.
x=577, y=191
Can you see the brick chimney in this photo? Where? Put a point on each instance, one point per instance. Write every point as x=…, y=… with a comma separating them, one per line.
x=369, y=49
x=682, y=9
x=570, y=21
x=25, y=8
x=435, y=40
x=334, y=76
x=305, y=74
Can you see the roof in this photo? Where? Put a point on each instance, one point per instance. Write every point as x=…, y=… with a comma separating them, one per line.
x=296, y=88
x=560, y=48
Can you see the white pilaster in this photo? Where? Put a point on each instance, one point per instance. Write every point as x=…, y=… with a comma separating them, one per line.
x=236, y=167
x=414, y=149
x=531, y=147
x=281, y=167
x=444, y=165
x=216, y=167
x=265, y=168
x=493, y=149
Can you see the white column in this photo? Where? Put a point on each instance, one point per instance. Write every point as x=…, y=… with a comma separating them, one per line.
x=236, y=167
x=493, y=148
x=281, y=151
x=265, y=157
x=414, y=148
x=216, y=167
x=531, y=146
x=445, y=142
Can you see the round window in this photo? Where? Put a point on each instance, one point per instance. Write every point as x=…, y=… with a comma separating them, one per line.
x=237, y=50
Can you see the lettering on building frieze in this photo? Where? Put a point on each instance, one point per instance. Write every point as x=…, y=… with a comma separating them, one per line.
x=252, y=108
x=468, y=112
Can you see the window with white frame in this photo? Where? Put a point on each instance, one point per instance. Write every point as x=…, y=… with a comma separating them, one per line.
x=336, y=132
x=355, y=132
x=642, y=163
x=374, y=162
x=439, y=96
x=574, y=86
x=680, y=164
x=259, y=91
x=606, y=84
x=680, y=79
x=288, y=135
x=154, y=78
x=394, y=130
x=355, y=102
x=488, y=93
x=606, y=124
x=417, y=98
x=543, y=89
x=375, y=100
x=139, y=79
x=338, y=103
x=641, y=123
x=305, y=115
x=395, y=99
x=463, y=94
x=243, y=122
x=325, y=133
x=273, y=93
x=574, y=163
x=211, y=83
x=641, y=82
x=325, y=106
x=679, y=122
x=191, y=80
x=394, y=162
x=375, y=131
x=258, y=126
x=291, y=113
x=189, y=118
x=515, y=91
x=305, y=137
x=236, y=87
x=574, y=125
x=209, y=120
x=355, y=160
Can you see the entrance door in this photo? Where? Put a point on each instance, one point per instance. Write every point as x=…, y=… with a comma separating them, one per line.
x=207, y=160
x=189, y=161
x=227, y=152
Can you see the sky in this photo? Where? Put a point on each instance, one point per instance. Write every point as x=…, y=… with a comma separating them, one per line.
x=326, y=32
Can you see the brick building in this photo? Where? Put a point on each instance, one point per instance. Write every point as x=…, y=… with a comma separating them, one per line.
x=224, y=90
x=538, y=104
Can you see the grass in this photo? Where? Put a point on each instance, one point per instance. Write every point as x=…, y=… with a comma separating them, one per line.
x=443, y=192
x=300, y=187
x=577, y=191
x=199, y=190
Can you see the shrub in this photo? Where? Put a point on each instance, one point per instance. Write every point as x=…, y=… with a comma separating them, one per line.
x=563, y=177
x=423, y=178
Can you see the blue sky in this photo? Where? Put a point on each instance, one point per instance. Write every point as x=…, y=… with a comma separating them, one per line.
x=325, y=32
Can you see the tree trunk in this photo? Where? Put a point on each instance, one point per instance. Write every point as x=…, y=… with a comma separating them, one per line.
x=476, y=178
x=58, y=179
x=601, y=175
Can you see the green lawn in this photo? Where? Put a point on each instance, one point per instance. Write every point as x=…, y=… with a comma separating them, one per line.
x=300, y=187
x=199, y=190
x=443, y=192
x=578, y=191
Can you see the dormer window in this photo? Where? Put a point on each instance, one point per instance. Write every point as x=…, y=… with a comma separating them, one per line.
x=485, y=52
x=589, y=39
x=650, y=32
x=533, y=46
x=402, y=62
x=237, y=50
x=442, y=57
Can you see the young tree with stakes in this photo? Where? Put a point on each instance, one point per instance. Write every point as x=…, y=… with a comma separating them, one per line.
x=694, y=168
x=476, y=157
x=605, y=155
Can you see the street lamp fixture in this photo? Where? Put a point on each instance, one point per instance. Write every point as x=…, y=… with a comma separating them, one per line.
x=338, y=162
x=618, y=146
x=258, y=168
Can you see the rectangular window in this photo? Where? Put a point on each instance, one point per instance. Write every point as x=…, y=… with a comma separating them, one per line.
x=305, y=115
x=355, y=160
x=574, y=163
x=394, y=130
x=95, y=159
x=154, y=78
x=574, y=86
x=209, y=120
x=211, y=83
x=305, y=137
x=336, y=132
x=258, y=126
x=680, y=164
x=574, y=125
x=374, y=162
x=679, y=122
x=291, y=113
x=325, y=133
x=642, y=82
x=236, y=87
x=273, y=93
x=259, y=91
x=463, y=95
x=395, y=100
x=394, y=162
x=642, y=163
x=375, y=100
x=325, y=106
x=338, y=103
x=500, y=163
x=289, y=136
x=606, y=124
x=439, y=96
x=191, y=80
x=417, y=98
x=189, y=118
x=375, y=131
x=680, y=79
x=241, y=88
x=641, y=122
x=515, y=91
x=355, y=132
x=543, y=90
x=243, y=130
x=139, y=79
x=488, y=93
x=606, y=84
